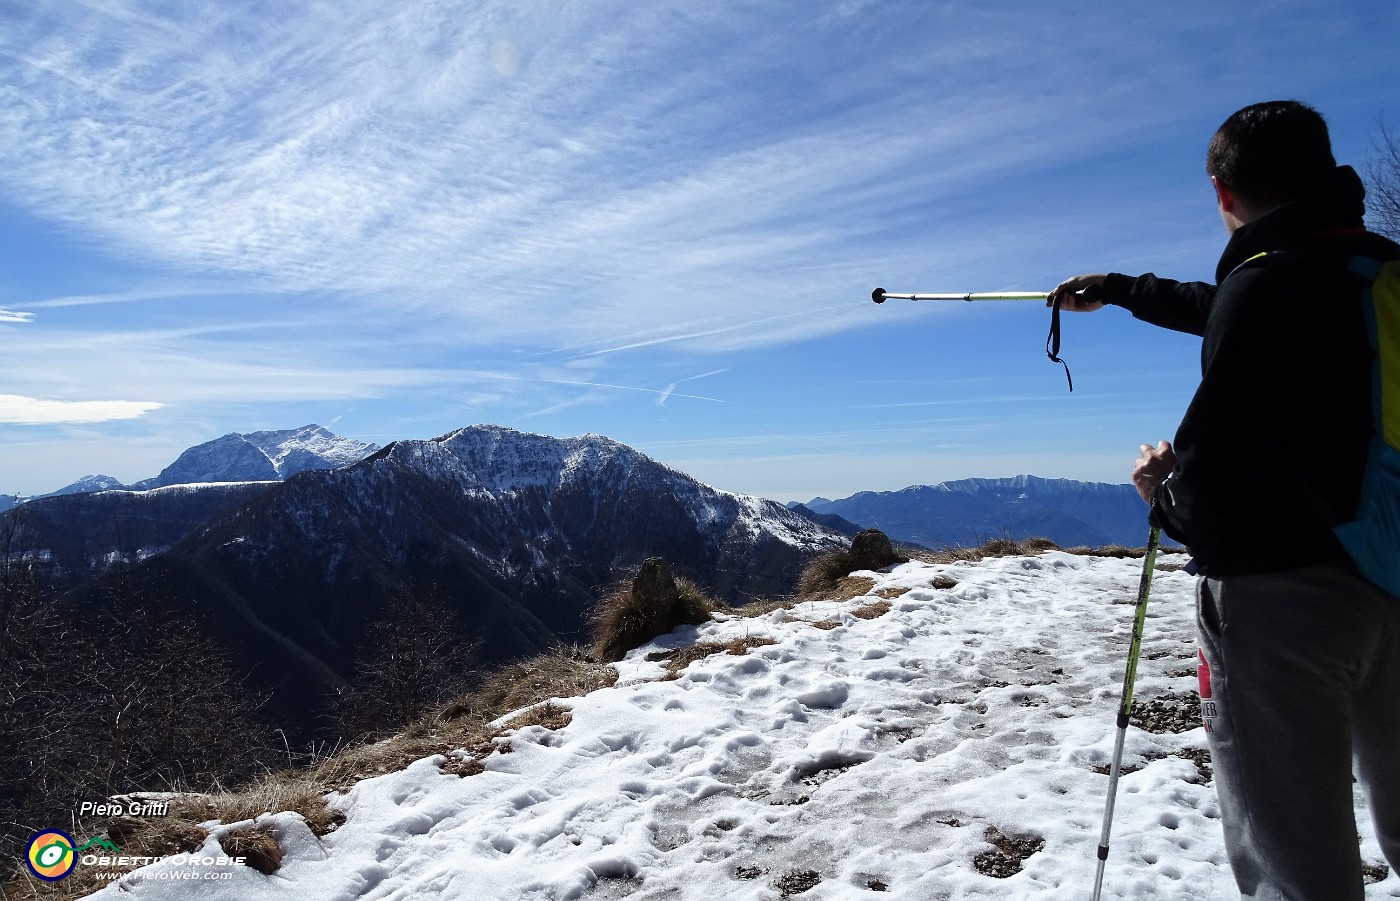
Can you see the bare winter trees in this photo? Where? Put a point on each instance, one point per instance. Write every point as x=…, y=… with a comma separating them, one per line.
x=415, y=655
x=1383, y=185
x=123, y=692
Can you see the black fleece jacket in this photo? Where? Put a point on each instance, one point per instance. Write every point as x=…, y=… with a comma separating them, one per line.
x=1271, y=451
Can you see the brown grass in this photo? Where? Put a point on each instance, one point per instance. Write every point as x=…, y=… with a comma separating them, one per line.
x=565, y=673
x=828, y=577
x=848, y=587
x=997, y=547
x=679, y=659
x=622, y=621
x=1112, y=550
x=872, y=610
x=761, y=608
x=870, y=549
x=256, y=846
x=549, y=715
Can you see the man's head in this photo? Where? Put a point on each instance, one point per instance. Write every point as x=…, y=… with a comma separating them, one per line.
x=1266, y=155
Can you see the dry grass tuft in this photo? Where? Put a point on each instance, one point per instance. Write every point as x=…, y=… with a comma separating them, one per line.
x=299, y=791
x=548, y=715
x=680, y=658
x=997, y=547
x=754, y=609
x=1112, y=550
x=848, y=587
x=869, y=550
x=567, y=672
x=256, y=846
x=823, y=574
x=872, y=610
x=653, y=605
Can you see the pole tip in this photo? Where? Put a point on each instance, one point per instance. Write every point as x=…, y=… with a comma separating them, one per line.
x=878, y=295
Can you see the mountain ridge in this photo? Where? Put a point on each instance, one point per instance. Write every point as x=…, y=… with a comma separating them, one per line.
x=968, y=512
x=519, y=534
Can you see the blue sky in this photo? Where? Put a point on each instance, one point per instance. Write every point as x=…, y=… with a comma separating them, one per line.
x=659, y=222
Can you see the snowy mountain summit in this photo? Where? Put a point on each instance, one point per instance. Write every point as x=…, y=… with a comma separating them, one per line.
x=261, y=457
x=944, y=736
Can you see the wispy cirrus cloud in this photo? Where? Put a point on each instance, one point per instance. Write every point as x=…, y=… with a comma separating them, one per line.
x=526, y=168
x=13, y=316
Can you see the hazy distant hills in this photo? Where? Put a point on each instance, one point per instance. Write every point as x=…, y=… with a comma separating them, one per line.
x=969, y=512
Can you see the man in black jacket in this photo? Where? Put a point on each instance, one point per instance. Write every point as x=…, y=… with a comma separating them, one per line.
x=1300, y=655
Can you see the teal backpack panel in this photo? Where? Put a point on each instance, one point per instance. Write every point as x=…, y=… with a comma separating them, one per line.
x=1373, y=536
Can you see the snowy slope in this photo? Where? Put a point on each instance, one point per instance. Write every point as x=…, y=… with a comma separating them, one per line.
x=856, y=758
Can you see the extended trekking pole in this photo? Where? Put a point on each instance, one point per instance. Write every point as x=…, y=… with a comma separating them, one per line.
x=1125, y=708
x=1052, y=341
x=880, y=295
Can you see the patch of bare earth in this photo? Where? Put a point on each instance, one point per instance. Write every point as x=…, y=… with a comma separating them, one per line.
x=1007, y=853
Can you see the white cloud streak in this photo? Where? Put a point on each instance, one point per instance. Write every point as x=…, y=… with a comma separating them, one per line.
x=13, y=317
x=19, y=410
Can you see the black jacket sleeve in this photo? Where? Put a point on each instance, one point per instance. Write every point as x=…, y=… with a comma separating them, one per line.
x=1179, y=306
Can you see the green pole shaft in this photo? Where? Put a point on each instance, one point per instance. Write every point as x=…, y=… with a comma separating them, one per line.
x=1125, y=708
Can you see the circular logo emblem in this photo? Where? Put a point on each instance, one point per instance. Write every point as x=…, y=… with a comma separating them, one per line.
x=50, y=855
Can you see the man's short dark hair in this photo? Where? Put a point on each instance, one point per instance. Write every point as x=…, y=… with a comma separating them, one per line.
x=1271, y=152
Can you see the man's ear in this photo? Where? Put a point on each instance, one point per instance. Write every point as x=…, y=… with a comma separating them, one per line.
x=1223, y=195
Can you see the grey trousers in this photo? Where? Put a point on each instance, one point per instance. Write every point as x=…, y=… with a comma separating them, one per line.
x=1300, y=678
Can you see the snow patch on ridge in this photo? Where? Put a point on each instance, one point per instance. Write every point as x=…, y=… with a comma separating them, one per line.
x=851, y=755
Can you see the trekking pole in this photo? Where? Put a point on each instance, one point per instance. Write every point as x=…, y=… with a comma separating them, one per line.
x=880, y=295
x=1052, y=341
x=1126, y=707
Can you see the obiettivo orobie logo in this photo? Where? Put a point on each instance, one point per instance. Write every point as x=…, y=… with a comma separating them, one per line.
x=50, y=855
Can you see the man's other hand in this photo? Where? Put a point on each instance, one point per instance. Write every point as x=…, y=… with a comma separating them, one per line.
x=1153, y=465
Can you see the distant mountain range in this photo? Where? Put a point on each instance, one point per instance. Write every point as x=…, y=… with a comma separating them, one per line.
x=261, y=457
x=519, y=533
x=291, y=542
x=254, y=457
x=969, y=512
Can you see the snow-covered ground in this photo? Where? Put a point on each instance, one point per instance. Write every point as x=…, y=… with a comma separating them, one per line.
x=855, y=759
